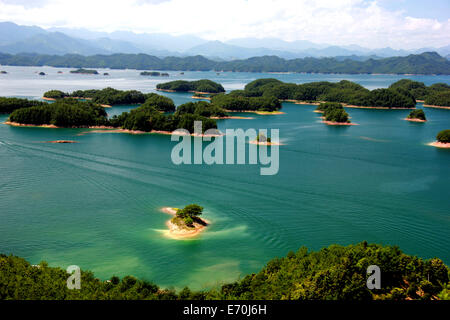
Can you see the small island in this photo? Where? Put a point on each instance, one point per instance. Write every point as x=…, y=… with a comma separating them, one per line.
x=154, y=74
x=201, y=86
x=84, y=71
x=417, y=116
x=335, y=115
x=186, y=222
x=443, y=140
x=262, y=140
x=3, y=72
x=106, y=74
x=42, y=73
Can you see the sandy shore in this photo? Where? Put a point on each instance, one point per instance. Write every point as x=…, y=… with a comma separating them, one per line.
x=230, y=117
x=438, y=107
x=260, y=143
x=179, y=233
x=331, y=123
x=200, y=98
x=263, y=113
x=48, y=99
x=440, y=145
x=346, y=105
x=106, y=129
x=415, y=120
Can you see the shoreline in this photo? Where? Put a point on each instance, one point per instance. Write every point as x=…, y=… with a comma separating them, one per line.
x=178, y=233
x=105, y=129
x=437, y=107
x=230, y=117
x=415, y=120
x=440, y=145
x=259, y=143
x=331, y=123
x=262, y=113
x=348, y=105
x=77, y=98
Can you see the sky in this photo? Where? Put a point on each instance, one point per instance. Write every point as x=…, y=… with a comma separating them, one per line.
x=400, y=24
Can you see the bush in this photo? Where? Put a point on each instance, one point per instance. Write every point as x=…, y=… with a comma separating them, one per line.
x=443, y=136
x=188, y=221
x=417, y=114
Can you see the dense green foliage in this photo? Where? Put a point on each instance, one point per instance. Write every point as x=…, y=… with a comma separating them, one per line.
x=191, y=210
x=242, y=103
x=55, y=94
x=201, y=108
x=440, y=98
x=8, y=105
x=84, y=71
x=329, y=105
x=154, y=74
x=339, y=273
x=203, y=85
x=425, y=63
x=417, y=114
x=62, y=113
x=336, y=115
x=333, y=273
x=444, y=136
x=147, y=118
x=109, y=96
x=161, y=103
x=342, y=92
x=417, y=89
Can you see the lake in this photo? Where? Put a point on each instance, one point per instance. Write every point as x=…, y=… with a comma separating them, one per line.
x=96, y=203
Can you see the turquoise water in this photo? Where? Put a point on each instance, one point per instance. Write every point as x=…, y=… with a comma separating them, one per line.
x=97, y=203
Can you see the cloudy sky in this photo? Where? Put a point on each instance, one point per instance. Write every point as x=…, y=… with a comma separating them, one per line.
x=399, y=24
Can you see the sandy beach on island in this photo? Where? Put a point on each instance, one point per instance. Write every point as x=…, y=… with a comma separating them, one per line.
x=265, y=143
x=437, y=107
x=438, y=144
x=331, y=123
x=262, y=113
x=178, y=233
x=415, y=120
x=201, y=98
x=78, y=98
x=106, y=129
x=230, y=117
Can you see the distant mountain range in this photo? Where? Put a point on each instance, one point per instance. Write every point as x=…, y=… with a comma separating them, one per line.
x=31, y=39
x=425, y=63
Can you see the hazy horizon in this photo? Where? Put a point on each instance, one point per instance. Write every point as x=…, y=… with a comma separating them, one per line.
x=406, y=24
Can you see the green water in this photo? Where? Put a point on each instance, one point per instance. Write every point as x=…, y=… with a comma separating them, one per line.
x=97, y=203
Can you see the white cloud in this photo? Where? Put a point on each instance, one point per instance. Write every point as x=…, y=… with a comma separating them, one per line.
x=339, y=22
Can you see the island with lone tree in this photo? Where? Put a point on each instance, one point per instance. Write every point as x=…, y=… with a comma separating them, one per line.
x=442, y=140
x=417, y=116
x=186, y=222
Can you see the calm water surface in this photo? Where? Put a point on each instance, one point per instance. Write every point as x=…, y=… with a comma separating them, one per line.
x=97, y=203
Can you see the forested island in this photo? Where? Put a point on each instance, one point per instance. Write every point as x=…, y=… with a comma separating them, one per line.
x=149, y=117
x=417, y=115
x=186, y=222
x=154, y=74
x=199, y=86
x=347, y=92
x=442, y=139
x=333, y=273
x=62, y=113
x=334, y=113
x=436, y=95
x=8, y=105
x=84, y=71
x=108, y=96
x=425, y=63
